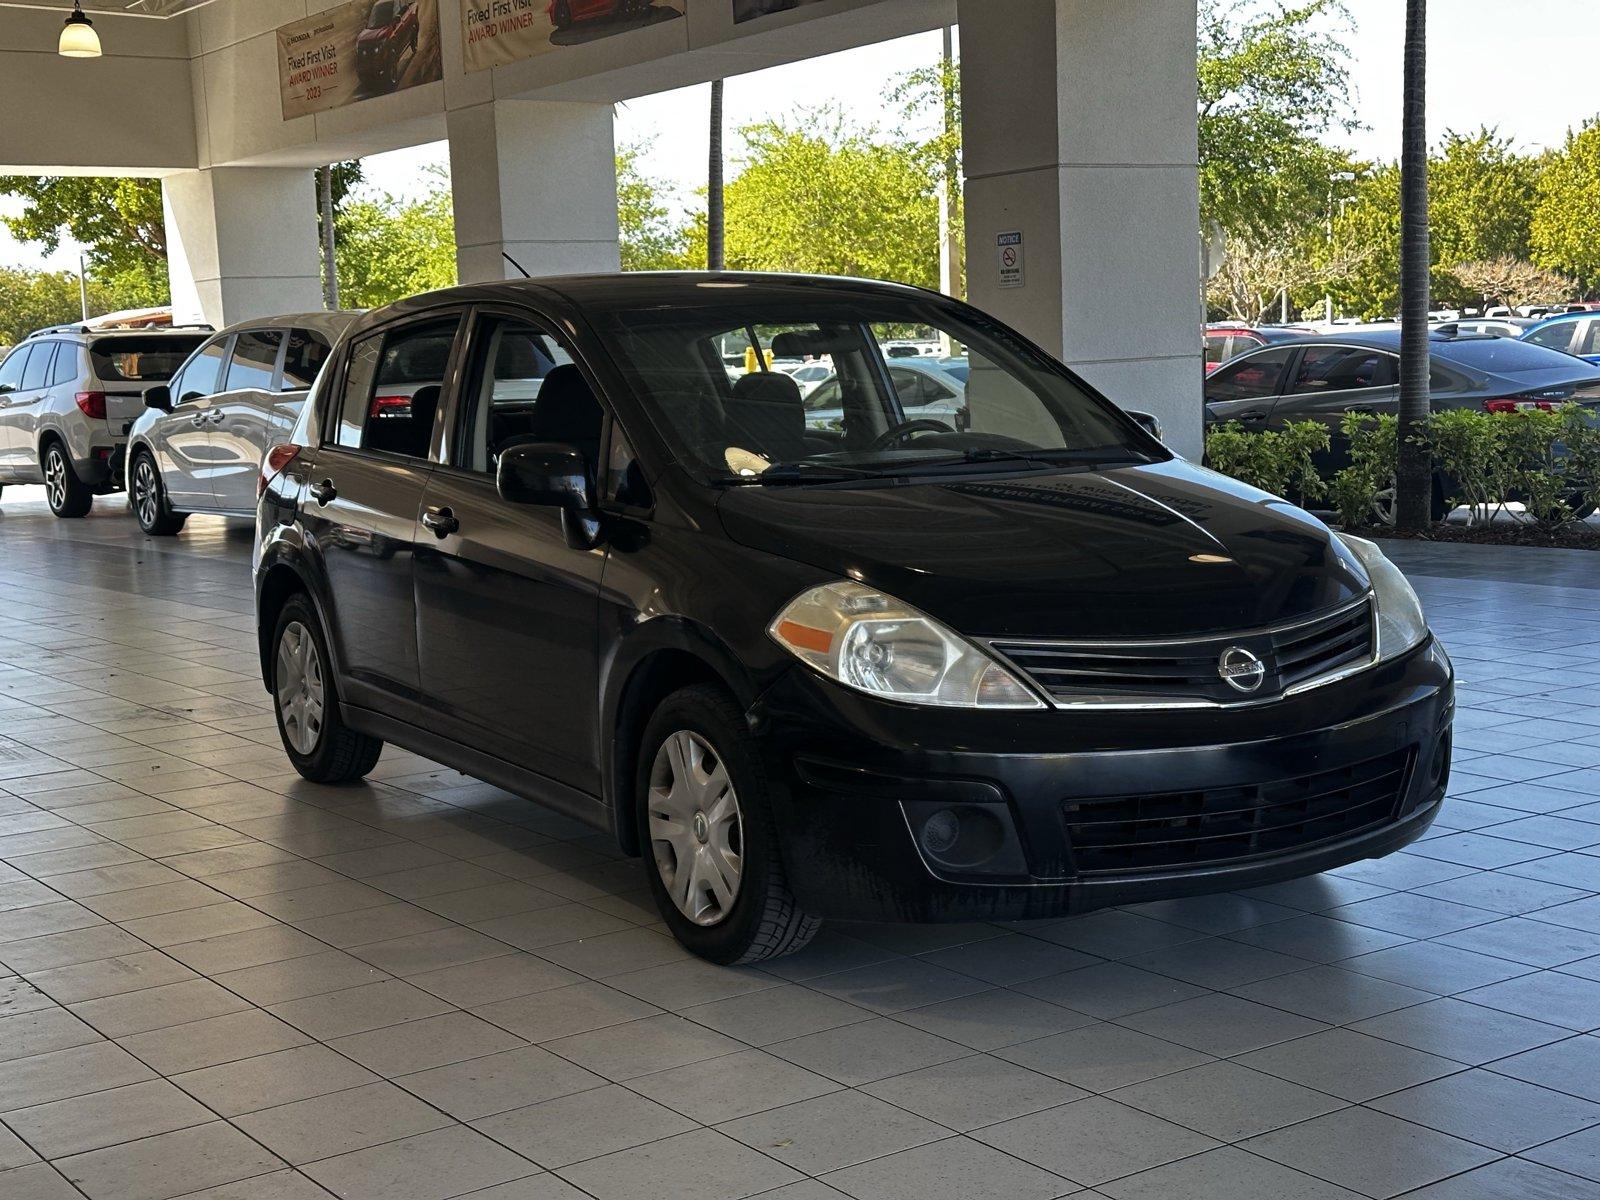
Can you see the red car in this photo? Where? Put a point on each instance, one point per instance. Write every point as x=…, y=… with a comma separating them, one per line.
x=1229, y=341
x=566, y=13
x=390, y=33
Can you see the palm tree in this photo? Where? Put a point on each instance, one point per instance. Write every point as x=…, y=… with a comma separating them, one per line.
x=1414, y=471
x=716, y=253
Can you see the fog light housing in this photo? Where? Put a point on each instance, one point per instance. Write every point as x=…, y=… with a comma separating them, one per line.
x=966, y=839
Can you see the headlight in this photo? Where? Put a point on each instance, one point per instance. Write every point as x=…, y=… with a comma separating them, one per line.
x=1401, y=624
x=875, y=644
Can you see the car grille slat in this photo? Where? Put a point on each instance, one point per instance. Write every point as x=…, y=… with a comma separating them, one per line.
x=1109, y=674
x=1180, y=829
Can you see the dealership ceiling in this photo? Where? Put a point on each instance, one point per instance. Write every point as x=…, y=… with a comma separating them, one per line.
x=131, y=8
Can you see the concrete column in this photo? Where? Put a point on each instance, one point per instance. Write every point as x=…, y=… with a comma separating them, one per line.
x=1080, y=135
x=537, y=180
x=242, y=243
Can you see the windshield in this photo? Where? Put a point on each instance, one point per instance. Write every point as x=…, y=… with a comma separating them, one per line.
x=382, y=14
x=705, y=377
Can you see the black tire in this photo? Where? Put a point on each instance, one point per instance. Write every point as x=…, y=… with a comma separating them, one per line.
x=339, y=754
x=68, y=496
x=156, y=517
x=765, y=920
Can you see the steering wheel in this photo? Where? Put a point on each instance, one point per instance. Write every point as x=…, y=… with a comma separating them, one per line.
x=905, y=429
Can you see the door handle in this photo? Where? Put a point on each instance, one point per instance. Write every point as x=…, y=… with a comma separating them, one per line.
x=441, y=520
x=324, y=493
x=1254, y=414
x=217, y=416
x=198, y=420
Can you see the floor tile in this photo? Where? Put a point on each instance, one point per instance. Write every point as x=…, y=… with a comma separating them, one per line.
x=497, y=1083
x=169, y=1164
x=1226, y=1101
x=1369, y=1152
x=307, y=1130
x=704, y=1164
x=1094, y=1140
x=431, y=1166
x=1101, y=1057
x=832, y=1132
x=583, y=1125
x=1504, y=1114
x=1225, y=1173
x=867, y=1051
x=954, y=1169
x=1348, y=1064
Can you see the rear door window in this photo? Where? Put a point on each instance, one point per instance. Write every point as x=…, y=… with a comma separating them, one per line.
x=307, y=351
x=1253, y=378
x=393, y=386
x=255, y=360
x=1556, y=337
x=1342, y=369
x=38, y=373
x=68, y=362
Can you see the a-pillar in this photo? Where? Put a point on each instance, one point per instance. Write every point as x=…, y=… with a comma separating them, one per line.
x=1080, y=136
x=537, y=180
x=242, y=243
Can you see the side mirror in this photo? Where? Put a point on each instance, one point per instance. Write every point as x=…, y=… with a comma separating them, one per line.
x=1148, y=422
x=158, y=398
x=552, y=475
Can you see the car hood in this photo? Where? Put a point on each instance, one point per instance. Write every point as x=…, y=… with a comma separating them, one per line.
x=1165, y=550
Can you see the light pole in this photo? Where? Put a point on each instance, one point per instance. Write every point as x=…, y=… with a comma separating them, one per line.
x=1336, y=177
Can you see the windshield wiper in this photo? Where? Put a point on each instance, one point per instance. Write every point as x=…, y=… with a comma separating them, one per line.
x=807, y=472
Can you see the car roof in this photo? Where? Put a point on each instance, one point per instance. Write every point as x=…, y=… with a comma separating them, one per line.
x=1566, y=316
x=84, y=331
x=648, y=289
x=335, y=322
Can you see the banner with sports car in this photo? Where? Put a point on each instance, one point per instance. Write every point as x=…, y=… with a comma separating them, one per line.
x=497, y=32
x=356, y=51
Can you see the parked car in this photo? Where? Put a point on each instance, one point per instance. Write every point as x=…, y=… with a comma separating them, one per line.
x=389, y=36
x=955, y=366
x=564, y=14
x=68, y=396
x=1574, y=332
x=1504, y=326
x=198, y=447
x=855, y=673
x=1321, y=378
x=921, y=385
x=811, y=376
x=1224, y=342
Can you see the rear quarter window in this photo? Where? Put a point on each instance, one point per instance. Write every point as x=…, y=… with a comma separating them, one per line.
x=140, y=359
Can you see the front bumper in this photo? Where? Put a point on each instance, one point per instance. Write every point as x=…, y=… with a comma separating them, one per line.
x=1209, y=801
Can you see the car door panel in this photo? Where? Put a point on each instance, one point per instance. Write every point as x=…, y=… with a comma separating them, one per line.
x=1326, y=382
x=183, y=455
x=242, y=418
x=1245, y=390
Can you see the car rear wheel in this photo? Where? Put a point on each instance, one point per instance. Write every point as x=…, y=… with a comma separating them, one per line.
x=68, y=495
x=148, y=499
x=708, y=837
x=322, y=747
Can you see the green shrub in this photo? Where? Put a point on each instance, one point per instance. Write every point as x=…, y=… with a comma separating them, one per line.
x=1276, y=461
x=1358, y=490
x=1469, y=448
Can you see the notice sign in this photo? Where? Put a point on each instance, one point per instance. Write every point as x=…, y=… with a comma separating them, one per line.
x=1010, y=250
x=497, y=32
x=356, y=51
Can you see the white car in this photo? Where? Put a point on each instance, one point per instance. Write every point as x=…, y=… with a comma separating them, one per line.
x=925, y=391
x=810, y=376
x=198, y=446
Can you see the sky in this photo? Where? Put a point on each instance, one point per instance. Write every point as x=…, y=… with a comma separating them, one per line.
x=1526, y=66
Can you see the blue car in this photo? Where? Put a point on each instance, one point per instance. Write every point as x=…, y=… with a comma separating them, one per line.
x=1574, y=332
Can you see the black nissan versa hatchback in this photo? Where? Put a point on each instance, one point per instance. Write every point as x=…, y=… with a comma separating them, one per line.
x=1010, y=660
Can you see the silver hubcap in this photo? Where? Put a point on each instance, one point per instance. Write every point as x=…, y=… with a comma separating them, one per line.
x=696, y=833
x=299, y=688
x=144, y=492
x=1383, y=503
x=55, y=478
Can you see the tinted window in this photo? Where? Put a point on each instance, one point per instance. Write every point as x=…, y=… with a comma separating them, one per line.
x=308, y=350
x=1342, y=368
x=525, y=389
x=393, y=386
x=15, y=364
x=203, y=374
x=140, y=359
x=1256, y=376
x=1216, y=347
x=1557, y=336
x=255, y=359
x=916, y=389
x=1589, y=339
x=382, y=13
x=38, y=372
x=1503, y=355
x=68, y=363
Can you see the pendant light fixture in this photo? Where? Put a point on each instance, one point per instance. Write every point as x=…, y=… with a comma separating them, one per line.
x=78, y=38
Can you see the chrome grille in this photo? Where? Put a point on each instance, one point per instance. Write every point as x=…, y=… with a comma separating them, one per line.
x=1294, y=656
x=1182, y=829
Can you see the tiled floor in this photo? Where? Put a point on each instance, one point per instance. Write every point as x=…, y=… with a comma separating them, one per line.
x=217, y=981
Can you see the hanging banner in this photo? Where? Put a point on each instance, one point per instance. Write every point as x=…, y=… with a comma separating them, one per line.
x=497, y=32
x=749, y=10
x=356, y=51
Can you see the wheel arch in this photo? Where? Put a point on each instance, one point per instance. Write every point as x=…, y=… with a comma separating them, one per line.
x=280, y=577
x=674, y=654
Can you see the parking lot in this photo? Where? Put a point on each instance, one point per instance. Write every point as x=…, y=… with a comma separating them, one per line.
x=218, y=980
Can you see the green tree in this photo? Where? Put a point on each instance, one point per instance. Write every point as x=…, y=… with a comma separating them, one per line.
x=1567, y=209
x=390, y=248
x=821, y=195
x=651, y=241
x=1273, y=82
x=118, y=221
x=32, y=300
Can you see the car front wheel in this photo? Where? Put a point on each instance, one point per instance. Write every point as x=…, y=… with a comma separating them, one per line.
x=148, y=499
x=68, y=495
x=708, y=837
x=322, y=747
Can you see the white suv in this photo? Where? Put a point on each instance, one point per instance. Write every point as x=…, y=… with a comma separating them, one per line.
x=68, y=396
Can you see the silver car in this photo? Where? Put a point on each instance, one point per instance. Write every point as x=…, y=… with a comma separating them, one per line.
x=68, y=396
x=198, y=448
